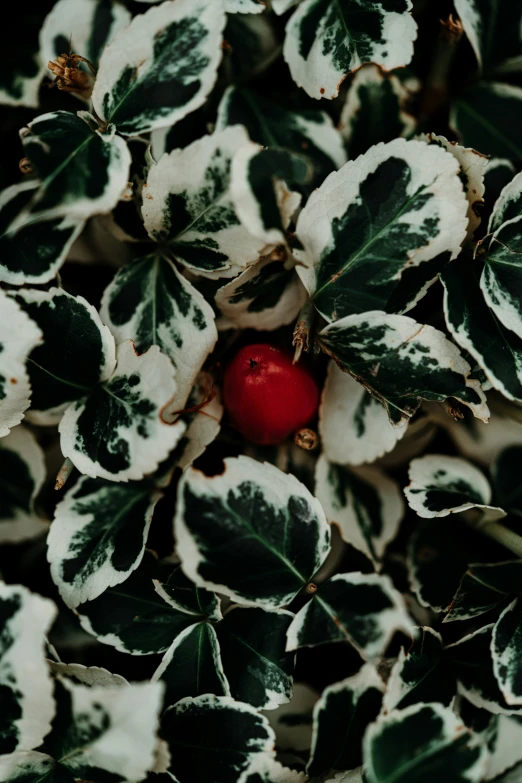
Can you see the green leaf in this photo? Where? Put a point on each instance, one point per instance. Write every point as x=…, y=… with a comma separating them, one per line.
x=377, y=221
x=25, y=684
x=35, y=251
x=441, y=485
x=347, y=407
x=22, y=474
x=77, y=352
x=99, y=730
x=484, y=586
x=420, y=675
x=257, y=667
x=33, y=767
x=508, y=204
x=118, y=432
x=150, y=303
x=214, y=739
x=264, y=297
x=98, y=536
x=340, y=719
x=505, y=648
x=161, y=67
x=364, y=503
x=363, y=609
x=81, y=172
x=493, y=30
x=253, y=46
x=188, y=205
x=400, y=362
x=87, y=25
x=502, y=275
x=505, y=481
x=472, y=167
x=192, y=665
x=310, y=132
x=132, y=617
x=252, y=532
x=472, y=662
x=329, y=39
x=375, y=109
x=477, y=329
x=486, y=118
x=423, y=742
x=20, y=335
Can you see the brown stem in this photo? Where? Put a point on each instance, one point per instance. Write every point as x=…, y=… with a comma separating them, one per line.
x=436, y=88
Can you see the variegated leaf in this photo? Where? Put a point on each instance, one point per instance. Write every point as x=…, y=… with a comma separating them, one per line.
x=498, y=174
x=244, y=6
x=25, y=683
x=282, y=6
x=264, y=769
x=505, y=649
x=250, y=519
x=347, y=408
x=35, y=251
x=363, y=609
x=484, y=586
x=327, y=40
x=214, y=738
x=310, y=132
x=261, y=197
x=86, y=26
x=400, y=362
x=77, y=352
x=340, y=719
x=502, y=275
x=33, y=767
x=188, y=205
x=133, y=617
x=81, y=171
x=265, y=296
x=508, y=205
x=292, y=722
x=472, y=663
x=477, y=329
x=183, y=595
x=504, y=738
x=150, y=303
x=203, y=423
x=505, y=478
x=161, y=67
x=364, y=503
x=485, y=117
x=258, y=668
x=20, y=82
x=472, y=167
x=421, y=742
x=420, y=675
x=493, y=31
x=118, y=432
x=98, y=536
x=105, y=733
x=192, y=665
x=441, y=485
x=375, y=109
x=22, y=472
x=92, y=676
x=19, y=336
x=376, y=233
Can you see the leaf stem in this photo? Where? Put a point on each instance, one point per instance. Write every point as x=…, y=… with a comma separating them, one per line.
x=437, y=84
x=64, y=473
x=498, y=532
x=303, y=327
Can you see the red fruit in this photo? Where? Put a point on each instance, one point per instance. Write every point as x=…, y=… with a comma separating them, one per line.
x=266, y=396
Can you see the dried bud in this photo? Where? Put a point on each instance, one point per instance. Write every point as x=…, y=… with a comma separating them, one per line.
x=25, y=166
x=306, y=439
x=69, y=77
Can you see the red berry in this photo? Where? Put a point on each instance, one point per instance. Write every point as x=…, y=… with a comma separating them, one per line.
x=266, y=396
